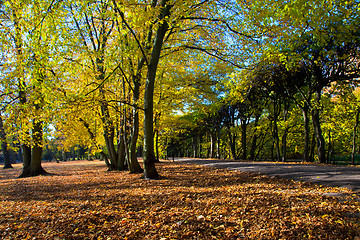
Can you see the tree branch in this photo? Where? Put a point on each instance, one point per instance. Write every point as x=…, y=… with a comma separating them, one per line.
x=131, y=31
x=213, y=55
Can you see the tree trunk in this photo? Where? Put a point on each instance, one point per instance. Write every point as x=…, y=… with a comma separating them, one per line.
x=130, y=153
x=284, y=145
x=121, y=152
x=284, y=136
x=318, y=131
x=194, y=146
x=306, y=133
x=157, y=146
x=134, y=165
x=25, y=147
x=243, y=139
x=354, y=136
x=232, y=144
x=254, y=139
x=200, y=147
x=32, y=158
x=276, y=139
x=329, y=149
x=149, y=155
x=212, y=144
x=93, y=139
x=218, y=142
x=312, y=149
x=36, y=168
x=272, y=151
x=109, y=130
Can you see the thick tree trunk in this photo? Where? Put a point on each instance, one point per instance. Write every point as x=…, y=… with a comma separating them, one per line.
x=149, y=155
x=6, y=155
x=32, y=158
x=36, y=154
x=354, y=136
x=121, y=161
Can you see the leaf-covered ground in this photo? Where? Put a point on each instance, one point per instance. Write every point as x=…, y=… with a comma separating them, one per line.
x=84, y=201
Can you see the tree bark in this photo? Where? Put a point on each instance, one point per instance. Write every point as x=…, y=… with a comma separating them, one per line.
x=121, y=161
x=149, y=155
x=36, y=154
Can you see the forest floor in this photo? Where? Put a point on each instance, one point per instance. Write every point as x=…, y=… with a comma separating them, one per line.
x=81, y=200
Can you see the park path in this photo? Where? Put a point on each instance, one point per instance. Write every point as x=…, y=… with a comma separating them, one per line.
x=328, y=175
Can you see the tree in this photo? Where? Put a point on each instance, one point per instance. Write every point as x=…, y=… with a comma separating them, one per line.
x=325, y=41
x=27, y=61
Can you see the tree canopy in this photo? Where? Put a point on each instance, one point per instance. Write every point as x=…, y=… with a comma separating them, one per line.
x=208, y=78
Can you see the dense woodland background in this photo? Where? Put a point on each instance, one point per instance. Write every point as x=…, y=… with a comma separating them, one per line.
x=110, y=79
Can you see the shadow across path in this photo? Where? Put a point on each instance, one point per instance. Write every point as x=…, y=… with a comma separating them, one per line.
x=327, y=175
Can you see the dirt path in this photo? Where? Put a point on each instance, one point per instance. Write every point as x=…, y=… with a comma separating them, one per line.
x=333, y=176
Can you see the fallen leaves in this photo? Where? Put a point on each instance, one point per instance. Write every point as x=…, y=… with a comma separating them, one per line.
x=83, y=201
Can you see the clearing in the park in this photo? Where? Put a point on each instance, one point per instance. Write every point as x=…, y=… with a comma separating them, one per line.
x=81, y=200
